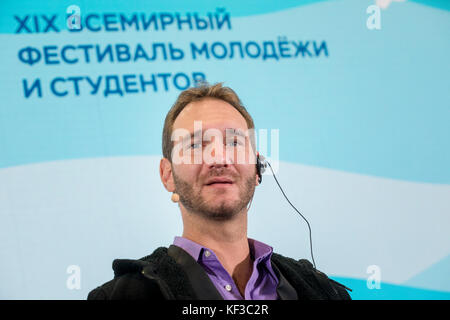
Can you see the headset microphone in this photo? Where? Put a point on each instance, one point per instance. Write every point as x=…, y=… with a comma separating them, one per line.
x=261, y=165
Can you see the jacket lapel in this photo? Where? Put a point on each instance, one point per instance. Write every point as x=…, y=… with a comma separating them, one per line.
x=201, y=284
x=284, y=289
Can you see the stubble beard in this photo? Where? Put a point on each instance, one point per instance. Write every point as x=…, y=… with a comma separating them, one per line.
x=193, y=201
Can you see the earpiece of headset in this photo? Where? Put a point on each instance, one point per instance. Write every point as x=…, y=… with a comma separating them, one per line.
x=261, y=166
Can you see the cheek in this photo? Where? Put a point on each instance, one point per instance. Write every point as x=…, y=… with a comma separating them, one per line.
x=187, y=172
x=247, y=171
x=242, y=157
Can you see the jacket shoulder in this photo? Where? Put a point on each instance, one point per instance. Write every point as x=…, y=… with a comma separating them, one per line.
x=310, y=283
x=129, y=283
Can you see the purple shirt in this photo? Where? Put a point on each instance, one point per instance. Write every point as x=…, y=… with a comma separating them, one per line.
x=262, y=284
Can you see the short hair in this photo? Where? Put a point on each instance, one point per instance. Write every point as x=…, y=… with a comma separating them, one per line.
x=200, y=92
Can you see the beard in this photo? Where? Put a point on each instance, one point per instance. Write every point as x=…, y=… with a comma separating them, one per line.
x=192, y=199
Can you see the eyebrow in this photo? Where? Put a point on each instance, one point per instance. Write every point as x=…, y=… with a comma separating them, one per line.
x=237, y=132
x=234, y=131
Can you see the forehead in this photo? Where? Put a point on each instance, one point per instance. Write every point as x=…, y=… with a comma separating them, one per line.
x=213, y=113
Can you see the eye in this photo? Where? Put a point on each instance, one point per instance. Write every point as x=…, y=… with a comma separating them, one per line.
x=195, y=145
x=235, y=143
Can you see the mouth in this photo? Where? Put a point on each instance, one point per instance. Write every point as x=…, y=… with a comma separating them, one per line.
x=217, y=182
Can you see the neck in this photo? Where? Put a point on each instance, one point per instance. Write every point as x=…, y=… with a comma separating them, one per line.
x=228, y=239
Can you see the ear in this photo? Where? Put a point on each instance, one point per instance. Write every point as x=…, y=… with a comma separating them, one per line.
x=165, y=172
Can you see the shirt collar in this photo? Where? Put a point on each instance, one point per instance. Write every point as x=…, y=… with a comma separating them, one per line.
x=259, y=251
x=191, y=247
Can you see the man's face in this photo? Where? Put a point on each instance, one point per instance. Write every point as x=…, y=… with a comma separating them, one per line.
x=220, y=183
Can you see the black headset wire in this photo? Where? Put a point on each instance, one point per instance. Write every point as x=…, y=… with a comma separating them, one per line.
x=306, y=220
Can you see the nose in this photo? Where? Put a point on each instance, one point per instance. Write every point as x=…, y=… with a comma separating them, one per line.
x=220, y=157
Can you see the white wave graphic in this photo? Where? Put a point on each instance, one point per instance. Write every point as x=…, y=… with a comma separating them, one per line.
x=384, y=4
x=88, y=212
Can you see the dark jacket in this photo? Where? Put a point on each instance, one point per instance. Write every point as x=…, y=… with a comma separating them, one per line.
x=171, y=273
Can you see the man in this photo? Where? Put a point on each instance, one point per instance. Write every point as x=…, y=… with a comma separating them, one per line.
x=209, y=165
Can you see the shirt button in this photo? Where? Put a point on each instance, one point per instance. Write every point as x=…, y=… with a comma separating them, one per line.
x=207, y=253
x=228, y=287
